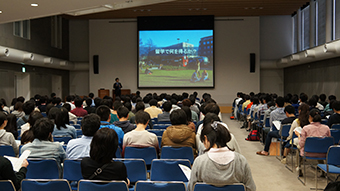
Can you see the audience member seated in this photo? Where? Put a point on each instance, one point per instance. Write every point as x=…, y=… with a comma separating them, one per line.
x=140, y=137
x=102, y=149
x=34, y=116
x=129, y=107
x=28, y=108
x=165, y=116
x=89, y=108
x=61, y=124
x=314, y=129
x=80, y=147
x=190, y=124
x=153, y=110
x=69, y=100
x=219, y=164
x=247, y=101
x=140, y=106
x=271, y=107
x=79, y=111
x=27, y=137
x=123, y=114
x=290, y=114
x=18, y=110
x=116, y=105
x=322, y=101
x=7, y=172
x=12, y=125
x=42, y=106
x=42, y=147
x=71, y=116
x=334, y=118
x=179, y=134
x=330, y=99
x=4, y=106
x=295, y=103
x=188, y=103
x=7, y=138
x=104, y=113
x=57, y=102
x=314, y=102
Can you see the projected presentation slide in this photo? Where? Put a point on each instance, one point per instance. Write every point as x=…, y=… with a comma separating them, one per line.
x=176, y=58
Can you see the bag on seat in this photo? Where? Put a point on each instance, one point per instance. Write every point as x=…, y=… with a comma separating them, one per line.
x=253, y=136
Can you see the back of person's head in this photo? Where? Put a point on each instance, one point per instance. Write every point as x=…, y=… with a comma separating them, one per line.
x=303, y=97
x=153, y=102
x=3, y=118
x=315, y=114
x=34, y=116
x=142, y=117
x=18, y=106
x=11, y=123
x=103, y=112
x=187, y=102
x=247, y=97
x=97, y=101
x=133, y=99
x=42, y=129
x=78, y=102
x=69, y=98
x=173, y=101
x=49, y=107
x=88, y=102
x=27, y=137
x=61, y=118
x=14, y=101
x=256, y=100
x=128, y=105
x=316, y=97
x=52, y=113
x=270, y=104
x=331, y=97
x=90, y=124
x=215, y=133
x=28, y=107
x=268, y=98
x=107, y=102
x=123, y=112
x=336, y=105
x=57, y=100
x=21, y=99
x=167, y=106
x=303, y=114
x=195, y=94
x=67, y=106
x=43, y=99
x=185, y=95
x=312, y=102
x=331, y=103
x=286, y=99
x=187, y=112
x=117, y=105
x=104, y=145
x=212, y=108
x=322, y=97
x=210, y=117
x=178, y=117
x=91, y=95
x=140, y=106
x=146, y=99
x=280, y=101
x=295, y=100
x=290, y=109
x=53, y=94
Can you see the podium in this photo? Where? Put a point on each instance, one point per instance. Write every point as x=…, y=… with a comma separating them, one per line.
x=123, y=92
x=103, y=92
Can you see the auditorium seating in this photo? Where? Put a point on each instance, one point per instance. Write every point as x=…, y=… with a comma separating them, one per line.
x=96, y=185
x=7, y=185
x=7, y=150
x=39, y=168
x=232, y=187
x=45, y=184
x=160, y=185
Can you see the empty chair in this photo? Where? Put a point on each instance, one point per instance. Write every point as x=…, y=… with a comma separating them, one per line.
x=336, y=135
x=168, y=170
x=336, y=126
x=98, y=185
x=7, y=150
x=45, y=184
x=231, y=187
x=72, y=172
x=284, y=132
x=136, y=169
x=64, y=139
x=39, y=168
x=159, y=141
x=160, y=185
x=158, y=132
x=161, y=126
x=146, y=153
x=177, y=153
x=332, y=164
x=7, y=185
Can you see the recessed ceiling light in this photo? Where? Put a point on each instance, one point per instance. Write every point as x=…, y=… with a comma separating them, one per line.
x=34, y=4
x=0, y=12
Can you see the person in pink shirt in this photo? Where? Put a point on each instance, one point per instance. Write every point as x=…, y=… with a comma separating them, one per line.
x=314, y=129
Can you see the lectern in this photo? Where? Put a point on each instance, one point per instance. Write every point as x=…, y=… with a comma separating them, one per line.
x=103, y=92
x=123, y=92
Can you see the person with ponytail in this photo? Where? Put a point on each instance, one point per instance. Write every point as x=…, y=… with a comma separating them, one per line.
x=219, y=165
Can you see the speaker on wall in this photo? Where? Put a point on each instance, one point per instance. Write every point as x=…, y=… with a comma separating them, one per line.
x=95, y=64
x=252, y=62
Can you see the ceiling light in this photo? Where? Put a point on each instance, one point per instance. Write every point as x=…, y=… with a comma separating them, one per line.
x=34, y=4
x=0, y=12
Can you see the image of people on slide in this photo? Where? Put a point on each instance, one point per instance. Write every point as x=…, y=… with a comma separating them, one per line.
x=176, y=58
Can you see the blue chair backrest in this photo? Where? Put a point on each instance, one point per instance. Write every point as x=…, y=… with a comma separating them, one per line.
x=7, y=185
x=168, y=170
x=158, y=132
x=261, y=118
x=154, y=120
x=44, y=114
x=177, y=153
x=336, y=135
x=146, y=153
x=64, y=139
x=231, y=187
x=72, y=170
x=71, y=122
x=42, y=169
x=285, y=130
x=267, y=122
x=77, y=126
x=79, y=132
x=333, y=155
x=161, y=126
x=160, y=185
x=7, y=150
x=324, y=121
x=119, y=152
x=336, y=126
x=318, y=144
x=136, y=169
x=97, y=185
x=164, y=123
x=43, y=184
x=159, y=141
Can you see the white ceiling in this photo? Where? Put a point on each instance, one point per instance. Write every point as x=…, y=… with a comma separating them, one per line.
x=15, y=10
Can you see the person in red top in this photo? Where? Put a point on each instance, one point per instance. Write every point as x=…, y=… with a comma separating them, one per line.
x=79, y=111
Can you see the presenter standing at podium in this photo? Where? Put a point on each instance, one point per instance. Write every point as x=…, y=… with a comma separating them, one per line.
x=117, y=86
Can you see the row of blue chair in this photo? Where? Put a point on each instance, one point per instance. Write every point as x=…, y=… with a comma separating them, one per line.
x=94, y=185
